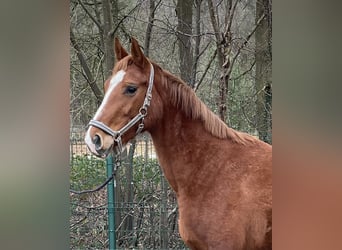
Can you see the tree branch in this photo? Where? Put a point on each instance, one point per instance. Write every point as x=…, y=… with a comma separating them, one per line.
x=214, y=21
x=89, y=76
x=98, y=24
x=112, y=32
x=206, y=70
x=227, y=73
x=244, y=73
x=231, y=15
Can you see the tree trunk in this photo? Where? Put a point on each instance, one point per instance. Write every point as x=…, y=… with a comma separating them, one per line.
x=108, y=37
x=149, y=28
x=263, y=80
x=184, y=34
x=197, y=27
x=128, y=227
x=164, y=237
x=223, y=83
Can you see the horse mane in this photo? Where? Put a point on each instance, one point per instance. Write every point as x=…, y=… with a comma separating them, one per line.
x=184, y=98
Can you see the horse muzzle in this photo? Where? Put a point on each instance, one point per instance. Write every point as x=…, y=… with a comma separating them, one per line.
x=99, y=144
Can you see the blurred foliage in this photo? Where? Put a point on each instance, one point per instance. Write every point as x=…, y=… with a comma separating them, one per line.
x=146, y=175
x=87, y=172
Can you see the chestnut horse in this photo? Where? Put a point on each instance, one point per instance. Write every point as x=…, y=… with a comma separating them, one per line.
x=222, y=178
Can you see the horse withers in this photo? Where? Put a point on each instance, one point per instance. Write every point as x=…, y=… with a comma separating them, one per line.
x=222, y=178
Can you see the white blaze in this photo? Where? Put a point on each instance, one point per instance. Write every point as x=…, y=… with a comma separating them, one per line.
x=113, y=83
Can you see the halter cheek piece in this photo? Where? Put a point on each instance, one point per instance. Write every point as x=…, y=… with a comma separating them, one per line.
x=139, y=117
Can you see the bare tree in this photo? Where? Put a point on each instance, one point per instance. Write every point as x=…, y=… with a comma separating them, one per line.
x=229, y=46
x=149, y=27
x=108, y=37
x=223, y=43
x=184, y=34
x=87, y=72
x=196, y=56
x=263, y=75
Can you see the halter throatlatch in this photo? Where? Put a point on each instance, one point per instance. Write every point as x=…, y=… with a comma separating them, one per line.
x=139, y=117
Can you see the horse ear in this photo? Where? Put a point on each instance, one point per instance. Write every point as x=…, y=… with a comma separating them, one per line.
x=120, y=52
x=138, y=56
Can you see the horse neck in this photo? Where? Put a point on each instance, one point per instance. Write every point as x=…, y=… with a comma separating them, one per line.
x=180, y=142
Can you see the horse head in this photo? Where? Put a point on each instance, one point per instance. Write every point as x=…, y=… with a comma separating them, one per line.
x=125, y=109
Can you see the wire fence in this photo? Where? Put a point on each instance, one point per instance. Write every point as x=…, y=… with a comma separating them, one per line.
x=145, y=207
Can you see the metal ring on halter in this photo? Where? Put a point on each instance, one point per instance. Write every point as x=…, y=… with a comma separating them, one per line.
x=119, y=143
x=140, y=127
x=143, y=111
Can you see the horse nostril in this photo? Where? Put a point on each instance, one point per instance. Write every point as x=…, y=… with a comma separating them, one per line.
x=97, y=142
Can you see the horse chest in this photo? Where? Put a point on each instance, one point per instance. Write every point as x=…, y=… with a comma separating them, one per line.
x=190, y=231
x=194, y=226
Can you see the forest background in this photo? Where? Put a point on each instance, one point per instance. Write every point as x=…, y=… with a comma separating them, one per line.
x=221, y=48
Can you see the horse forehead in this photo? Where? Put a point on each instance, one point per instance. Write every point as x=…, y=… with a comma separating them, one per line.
x=117, y=78
x=136, y=75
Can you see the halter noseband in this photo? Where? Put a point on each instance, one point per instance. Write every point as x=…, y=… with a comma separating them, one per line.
x=140, y=116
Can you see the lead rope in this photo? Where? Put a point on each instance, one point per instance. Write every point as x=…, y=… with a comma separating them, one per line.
x=116, y=166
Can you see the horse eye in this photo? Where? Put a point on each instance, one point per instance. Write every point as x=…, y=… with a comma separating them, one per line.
x=130, y=90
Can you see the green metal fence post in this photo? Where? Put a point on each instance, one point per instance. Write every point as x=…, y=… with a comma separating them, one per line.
x=111, y=199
